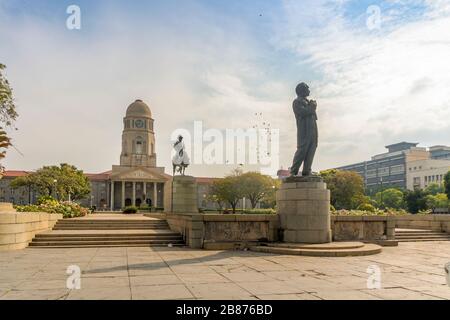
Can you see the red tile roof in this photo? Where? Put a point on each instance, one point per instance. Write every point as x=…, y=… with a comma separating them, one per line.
x=98, y=176
x=205, y=179
x=15, y=173
x=283, y=173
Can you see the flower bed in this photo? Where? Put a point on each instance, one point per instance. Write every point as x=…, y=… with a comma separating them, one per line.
x=377, y=212
x=67, y=209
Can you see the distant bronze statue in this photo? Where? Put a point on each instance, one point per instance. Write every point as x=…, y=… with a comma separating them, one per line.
x=307, y=133
x=180, y=160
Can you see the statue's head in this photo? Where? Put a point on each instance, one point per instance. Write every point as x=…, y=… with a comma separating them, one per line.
x=302, y=90
x=180, y=138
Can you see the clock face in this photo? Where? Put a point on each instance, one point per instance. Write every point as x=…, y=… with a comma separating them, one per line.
x=139, y=123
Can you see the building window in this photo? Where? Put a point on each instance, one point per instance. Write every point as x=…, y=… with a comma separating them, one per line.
x=382, y=172
x=372, y=173
x=397, y=169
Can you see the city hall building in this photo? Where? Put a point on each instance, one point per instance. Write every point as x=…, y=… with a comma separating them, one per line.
x=137, y=180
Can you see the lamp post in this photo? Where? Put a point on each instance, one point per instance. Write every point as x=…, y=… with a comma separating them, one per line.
x=381, y=192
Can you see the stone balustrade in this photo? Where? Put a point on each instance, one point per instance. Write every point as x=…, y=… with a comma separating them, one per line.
x=219, y=231
x=435, y=222
x=363, y=228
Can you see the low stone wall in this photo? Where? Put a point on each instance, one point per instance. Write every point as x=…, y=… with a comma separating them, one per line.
x=363, y=228
x=18, y=229
x=218, y=231
x=435, y=222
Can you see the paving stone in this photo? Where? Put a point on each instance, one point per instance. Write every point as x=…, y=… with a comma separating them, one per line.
x=219, y=291
x=401, y=294
x=117, y=293
x=154, y=280
x=167, y=292
x=203, y=278
x=269, y=287
x=339, y=294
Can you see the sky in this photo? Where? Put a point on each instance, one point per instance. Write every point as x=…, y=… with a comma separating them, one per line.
x=378, y=79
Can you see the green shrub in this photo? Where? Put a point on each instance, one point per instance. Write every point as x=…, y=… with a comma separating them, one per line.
x=366, y=207
x=376, y=212
x=259, y=211
x=45, y=199
x=130, y=209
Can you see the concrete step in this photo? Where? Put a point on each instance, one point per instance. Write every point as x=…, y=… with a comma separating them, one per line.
x=364, y=250
x=422, y=240
x=97, y=233
x=110, y=220
x=111, y=223
x=431, y=236
x=106, y=235
x=418, y=233
x=110, y=246
x=104, y=242
x=108, y=228
x=100, y=238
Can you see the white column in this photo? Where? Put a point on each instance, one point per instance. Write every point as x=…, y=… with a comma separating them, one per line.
x=133, y=201
x=123, y=195
x=145, y=191
x=155, y=195
x=112, y=195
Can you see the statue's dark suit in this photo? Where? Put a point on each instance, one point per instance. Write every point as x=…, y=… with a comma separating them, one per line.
x=307, y=136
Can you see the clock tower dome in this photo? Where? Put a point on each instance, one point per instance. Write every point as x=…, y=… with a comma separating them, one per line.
x=138, y=137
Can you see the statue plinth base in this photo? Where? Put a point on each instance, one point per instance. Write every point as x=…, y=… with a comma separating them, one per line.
x=184, y=195
x=303, y=204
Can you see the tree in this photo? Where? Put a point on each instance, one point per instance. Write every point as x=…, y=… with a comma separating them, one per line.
x=64, y=181
x=439, y=200
x=447, y=184
x=228, y=189
x=347, y=188
x=415, y=200
x=214, y=198
x=270, y=199
x=255, y=186
x=8, y=112
x=390, y=198
x=5, y=142
x=434, y=189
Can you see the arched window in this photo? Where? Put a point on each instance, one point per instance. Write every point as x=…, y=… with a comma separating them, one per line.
x=139, y=145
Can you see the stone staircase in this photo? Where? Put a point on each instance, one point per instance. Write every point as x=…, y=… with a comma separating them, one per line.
x=95, y=233
x=416, y=235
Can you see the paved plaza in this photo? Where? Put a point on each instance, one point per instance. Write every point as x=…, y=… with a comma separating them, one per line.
x=410, y=271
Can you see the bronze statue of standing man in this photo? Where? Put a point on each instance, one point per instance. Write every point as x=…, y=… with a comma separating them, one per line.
x=307, y=133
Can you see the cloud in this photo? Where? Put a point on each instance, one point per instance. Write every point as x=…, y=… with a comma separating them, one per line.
x=376, y=87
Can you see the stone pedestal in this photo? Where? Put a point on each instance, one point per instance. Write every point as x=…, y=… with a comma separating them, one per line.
x=303, y=204
x=184, y=195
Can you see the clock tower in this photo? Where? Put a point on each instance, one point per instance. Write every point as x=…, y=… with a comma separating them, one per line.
x=138, y=137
